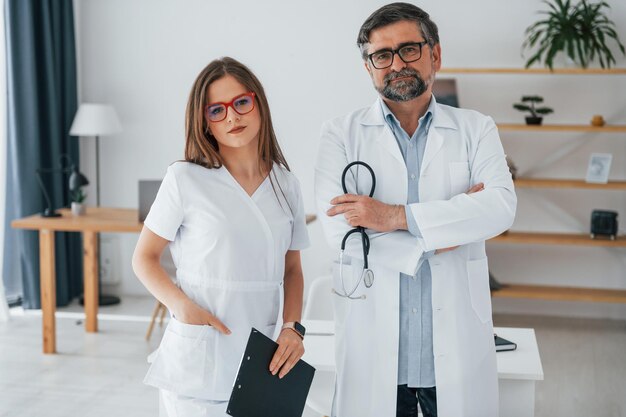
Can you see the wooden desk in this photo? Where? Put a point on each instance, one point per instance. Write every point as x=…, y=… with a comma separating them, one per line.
x=96, y=220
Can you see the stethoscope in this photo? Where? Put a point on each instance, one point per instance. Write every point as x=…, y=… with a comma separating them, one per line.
x=367, y=275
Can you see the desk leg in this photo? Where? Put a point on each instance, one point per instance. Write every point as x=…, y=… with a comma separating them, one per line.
x=90, y=265
x=47, y=283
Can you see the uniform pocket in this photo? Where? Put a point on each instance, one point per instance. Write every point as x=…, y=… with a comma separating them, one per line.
x=228, y=353
x=459, y=177
x=181, y=364
x=240, y=305
x=478, y=282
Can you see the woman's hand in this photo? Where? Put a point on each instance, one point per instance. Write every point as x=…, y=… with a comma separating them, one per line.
x=290, y=350
x=192, y=313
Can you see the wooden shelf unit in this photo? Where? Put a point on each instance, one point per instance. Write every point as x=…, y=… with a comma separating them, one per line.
x=561, y=128
x=564, y=71
x=568, y=183
x=568, y=239
x=545, y=292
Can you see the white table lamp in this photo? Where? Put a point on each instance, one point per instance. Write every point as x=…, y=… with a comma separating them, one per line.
x=96, y=120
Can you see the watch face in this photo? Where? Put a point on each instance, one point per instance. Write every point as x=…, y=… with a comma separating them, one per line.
x=300, y=328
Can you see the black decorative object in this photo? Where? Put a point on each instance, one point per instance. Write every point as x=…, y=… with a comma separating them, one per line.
x=76, y=181
x=604, y=223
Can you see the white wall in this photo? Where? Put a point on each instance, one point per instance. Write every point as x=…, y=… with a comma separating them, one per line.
x=143, y=55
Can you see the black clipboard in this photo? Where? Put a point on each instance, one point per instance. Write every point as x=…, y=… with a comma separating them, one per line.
x=258, y=393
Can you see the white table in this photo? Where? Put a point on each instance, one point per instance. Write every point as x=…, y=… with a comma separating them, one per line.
x=517, y=370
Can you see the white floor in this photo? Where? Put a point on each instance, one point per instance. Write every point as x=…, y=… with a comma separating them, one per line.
x=94, y=375
x=101, y=374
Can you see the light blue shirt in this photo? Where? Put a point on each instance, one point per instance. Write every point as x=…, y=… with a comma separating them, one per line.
x=416, y=363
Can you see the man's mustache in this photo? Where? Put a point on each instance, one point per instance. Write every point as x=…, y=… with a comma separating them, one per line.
x=404, y=73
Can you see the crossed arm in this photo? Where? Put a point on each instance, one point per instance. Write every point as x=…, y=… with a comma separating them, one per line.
x=364, y=211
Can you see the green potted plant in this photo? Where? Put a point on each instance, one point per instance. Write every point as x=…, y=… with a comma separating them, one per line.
x=78, y=197
x=535, y=112
x=581, y=31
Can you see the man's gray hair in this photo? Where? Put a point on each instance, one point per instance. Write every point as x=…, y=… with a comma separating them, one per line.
x=397, y=12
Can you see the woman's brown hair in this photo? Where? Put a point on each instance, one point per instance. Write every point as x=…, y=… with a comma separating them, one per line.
x=200, y=146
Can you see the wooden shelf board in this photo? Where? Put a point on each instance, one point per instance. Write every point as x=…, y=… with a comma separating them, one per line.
x=561, y=128
x=577, y=239
x=567, y=183
x=545, y=292
x=567, y=71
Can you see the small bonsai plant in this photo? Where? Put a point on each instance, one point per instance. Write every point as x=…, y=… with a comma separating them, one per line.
x=535, y=112
x=581, y=31
x=78, y=196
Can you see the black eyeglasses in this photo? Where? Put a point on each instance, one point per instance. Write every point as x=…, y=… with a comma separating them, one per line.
x=409, y=52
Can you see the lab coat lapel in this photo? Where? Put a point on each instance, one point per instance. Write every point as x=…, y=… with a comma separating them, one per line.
x=434, y=143
x=442, y=123
x=384, y=136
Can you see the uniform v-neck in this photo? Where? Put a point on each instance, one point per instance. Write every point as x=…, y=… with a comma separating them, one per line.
x=258, y=188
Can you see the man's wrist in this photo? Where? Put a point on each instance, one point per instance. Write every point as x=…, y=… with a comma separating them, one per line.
x=400, y=223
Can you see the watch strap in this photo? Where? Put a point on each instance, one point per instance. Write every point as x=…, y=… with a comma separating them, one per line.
x=291, y=325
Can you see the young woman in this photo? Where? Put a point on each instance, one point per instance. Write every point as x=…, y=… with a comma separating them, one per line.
x=233, y=217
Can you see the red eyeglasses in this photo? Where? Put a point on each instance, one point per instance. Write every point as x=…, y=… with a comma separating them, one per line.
x=242, y=104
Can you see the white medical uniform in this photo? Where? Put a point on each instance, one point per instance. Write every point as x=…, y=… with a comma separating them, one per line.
x=229, y=250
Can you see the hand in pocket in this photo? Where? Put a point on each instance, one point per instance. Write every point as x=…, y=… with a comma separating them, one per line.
x=192, y=313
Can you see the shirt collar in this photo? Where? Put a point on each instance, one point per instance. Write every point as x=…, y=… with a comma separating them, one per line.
x=424, y=121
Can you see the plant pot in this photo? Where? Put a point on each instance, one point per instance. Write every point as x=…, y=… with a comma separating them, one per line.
x=78, y=209
x=531, y=120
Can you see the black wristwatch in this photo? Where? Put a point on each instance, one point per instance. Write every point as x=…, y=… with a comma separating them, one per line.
x=296, y=327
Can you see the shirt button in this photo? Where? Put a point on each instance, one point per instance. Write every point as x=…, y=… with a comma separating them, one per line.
x=412, y=176
x=410, y=145
x=415, y=310
x=414, y=277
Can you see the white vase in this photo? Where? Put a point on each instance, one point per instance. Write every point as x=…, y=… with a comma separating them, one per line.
x=78, y=209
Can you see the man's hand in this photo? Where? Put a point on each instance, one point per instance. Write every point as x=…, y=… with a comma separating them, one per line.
x=364, y=211
x=478, y=187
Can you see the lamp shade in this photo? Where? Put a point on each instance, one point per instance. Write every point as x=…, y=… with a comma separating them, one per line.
x=95, y=120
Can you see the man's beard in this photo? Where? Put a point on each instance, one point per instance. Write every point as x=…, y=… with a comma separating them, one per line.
x=404, y=90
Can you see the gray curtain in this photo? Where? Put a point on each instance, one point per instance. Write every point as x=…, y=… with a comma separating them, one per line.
x=42, y=101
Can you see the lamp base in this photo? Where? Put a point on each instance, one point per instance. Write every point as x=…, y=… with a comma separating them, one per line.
x=104, y=300
x=50, y=213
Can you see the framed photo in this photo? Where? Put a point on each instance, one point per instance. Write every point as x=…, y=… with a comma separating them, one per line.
x=599, y=167
x=444, y=90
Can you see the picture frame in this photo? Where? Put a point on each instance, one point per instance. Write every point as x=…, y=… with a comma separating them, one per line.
x=599, y=167
x=445, y=92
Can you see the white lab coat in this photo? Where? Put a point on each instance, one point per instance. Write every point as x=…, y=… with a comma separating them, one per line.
x=229, y=250
x=463, y=148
